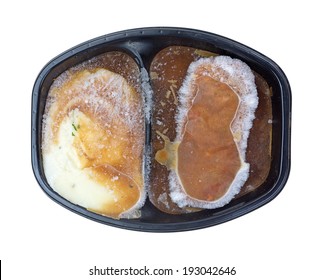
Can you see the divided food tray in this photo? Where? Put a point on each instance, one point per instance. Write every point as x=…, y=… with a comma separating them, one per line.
x=142, y=45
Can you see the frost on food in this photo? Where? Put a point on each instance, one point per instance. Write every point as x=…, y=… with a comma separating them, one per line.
x=93, y=139
x=217, y=101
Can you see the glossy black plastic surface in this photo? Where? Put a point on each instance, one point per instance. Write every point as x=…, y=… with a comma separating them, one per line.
x=143, y=44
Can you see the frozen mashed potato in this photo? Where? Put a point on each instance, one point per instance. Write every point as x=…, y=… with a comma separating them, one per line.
x=93, y=141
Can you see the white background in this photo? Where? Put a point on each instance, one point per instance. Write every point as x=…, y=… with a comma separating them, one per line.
x=41, y=240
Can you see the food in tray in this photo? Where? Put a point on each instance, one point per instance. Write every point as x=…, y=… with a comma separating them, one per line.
x=209, y=142
x=168, y=71
x=93, y=136
x=216, y=106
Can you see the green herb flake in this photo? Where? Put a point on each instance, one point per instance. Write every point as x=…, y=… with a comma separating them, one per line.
x=74, y=126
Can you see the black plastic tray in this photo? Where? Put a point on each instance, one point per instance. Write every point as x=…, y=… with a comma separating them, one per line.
x=143, y=44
